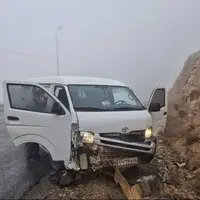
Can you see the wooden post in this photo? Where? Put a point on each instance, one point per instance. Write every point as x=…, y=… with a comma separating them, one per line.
x=131, y=192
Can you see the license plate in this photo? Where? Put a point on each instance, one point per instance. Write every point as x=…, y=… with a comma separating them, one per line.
x=125, y=161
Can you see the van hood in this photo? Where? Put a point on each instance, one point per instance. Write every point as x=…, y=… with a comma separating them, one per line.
x=102, y=122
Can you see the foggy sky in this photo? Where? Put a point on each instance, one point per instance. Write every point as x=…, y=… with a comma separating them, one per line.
x=143, y=43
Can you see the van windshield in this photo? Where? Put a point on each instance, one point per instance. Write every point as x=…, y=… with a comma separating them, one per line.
x=103, y=98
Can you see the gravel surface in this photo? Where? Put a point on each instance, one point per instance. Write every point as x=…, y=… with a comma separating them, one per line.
x=173, y=180
x=98, y=188
x=94, y=186
x=176, y=180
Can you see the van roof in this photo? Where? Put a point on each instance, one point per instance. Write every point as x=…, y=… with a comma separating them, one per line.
x=76, y=80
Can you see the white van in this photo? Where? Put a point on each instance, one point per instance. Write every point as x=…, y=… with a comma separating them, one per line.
x=85, y=122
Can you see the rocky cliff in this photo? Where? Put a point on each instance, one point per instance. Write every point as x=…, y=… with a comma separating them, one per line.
x=183, y=125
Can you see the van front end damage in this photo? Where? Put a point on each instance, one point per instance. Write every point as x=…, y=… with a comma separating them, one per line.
x=100, y=151
x=89, y=155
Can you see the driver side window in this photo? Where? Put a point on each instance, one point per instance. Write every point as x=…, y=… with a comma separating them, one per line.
x=29, y=98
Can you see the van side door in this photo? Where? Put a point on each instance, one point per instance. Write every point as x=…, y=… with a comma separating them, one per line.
x=159, y=118
x=43, y=120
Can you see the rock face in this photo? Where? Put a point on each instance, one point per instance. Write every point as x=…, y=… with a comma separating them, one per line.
x=184, y=101
x=183, y=123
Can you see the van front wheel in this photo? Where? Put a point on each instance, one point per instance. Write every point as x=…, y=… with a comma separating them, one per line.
x=32, y=152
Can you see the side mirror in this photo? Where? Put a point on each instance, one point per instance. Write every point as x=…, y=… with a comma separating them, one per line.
x=154, y=107
x=57, y=109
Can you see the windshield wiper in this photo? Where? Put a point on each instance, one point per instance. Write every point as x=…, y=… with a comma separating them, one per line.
x=126, y=108
x=89, y=109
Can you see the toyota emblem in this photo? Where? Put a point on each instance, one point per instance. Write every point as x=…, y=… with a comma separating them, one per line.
x=125, y=130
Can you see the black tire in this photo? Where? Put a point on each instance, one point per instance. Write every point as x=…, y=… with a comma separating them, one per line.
x=66, y=180
x=78, y=178
x=32, y=151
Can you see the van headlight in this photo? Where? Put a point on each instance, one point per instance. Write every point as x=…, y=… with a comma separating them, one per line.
x=148, y=133
x=87, y=137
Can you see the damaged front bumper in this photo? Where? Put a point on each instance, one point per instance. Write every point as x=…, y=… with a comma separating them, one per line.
x=105, y=151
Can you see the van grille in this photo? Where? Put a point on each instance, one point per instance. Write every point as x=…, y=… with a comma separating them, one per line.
x=125, y=145
x=134, y=136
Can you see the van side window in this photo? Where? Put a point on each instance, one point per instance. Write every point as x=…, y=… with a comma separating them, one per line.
x=29, y=98
x=61, y=94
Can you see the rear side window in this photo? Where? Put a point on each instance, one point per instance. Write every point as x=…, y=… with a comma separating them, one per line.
x=29, y=98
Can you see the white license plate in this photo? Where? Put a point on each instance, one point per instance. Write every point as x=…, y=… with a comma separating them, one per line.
x=125, y=161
